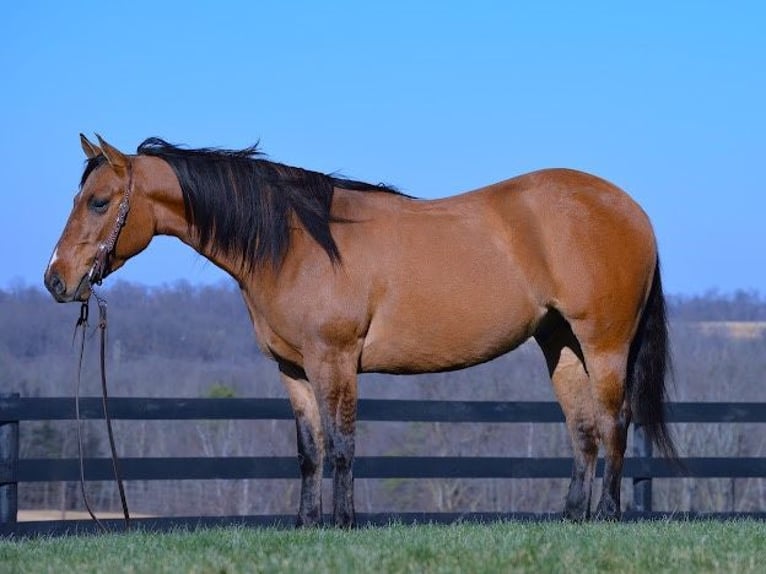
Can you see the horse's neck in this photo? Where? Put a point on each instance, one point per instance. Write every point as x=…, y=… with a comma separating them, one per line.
x=160, y=185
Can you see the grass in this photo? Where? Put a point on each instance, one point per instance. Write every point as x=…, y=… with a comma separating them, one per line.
x=735, y=546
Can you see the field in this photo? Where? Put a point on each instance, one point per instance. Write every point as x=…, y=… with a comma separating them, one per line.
x=735, y=546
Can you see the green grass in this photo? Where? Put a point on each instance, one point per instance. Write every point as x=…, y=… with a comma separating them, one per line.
x=646, y=548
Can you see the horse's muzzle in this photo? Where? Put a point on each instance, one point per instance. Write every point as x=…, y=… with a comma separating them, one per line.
x=58, y=288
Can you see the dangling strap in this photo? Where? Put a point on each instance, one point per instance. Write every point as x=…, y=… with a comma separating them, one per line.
x=82, y=324
x=105, y=404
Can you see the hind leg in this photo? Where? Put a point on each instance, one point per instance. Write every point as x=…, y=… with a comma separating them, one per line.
x=570, y=382
x=608, y=372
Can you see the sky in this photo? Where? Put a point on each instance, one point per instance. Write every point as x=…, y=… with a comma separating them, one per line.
x=665, y=99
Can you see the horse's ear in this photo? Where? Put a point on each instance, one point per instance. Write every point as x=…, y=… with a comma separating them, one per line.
x=115, y=157
x=91, y=150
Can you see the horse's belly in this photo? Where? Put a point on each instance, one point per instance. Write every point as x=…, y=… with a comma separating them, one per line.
x=439, y=339
x=451, y=292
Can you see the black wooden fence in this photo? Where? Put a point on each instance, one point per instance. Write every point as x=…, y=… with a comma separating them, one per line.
x=641, y=466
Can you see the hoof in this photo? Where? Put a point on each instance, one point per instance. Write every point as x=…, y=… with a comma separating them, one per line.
x=308, y=521
x=607, y=511
x=571, y=516
x=576, y=512
x=345, y=520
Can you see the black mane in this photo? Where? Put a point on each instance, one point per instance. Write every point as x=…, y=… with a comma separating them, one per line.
x=241, y=204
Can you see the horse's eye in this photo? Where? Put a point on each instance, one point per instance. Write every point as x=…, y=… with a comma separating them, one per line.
x=98, y=205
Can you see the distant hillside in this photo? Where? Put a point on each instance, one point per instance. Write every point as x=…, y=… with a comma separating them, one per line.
x=733, y=329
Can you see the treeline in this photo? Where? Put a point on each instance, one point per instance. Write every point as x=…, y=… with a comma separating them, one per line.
x=193, y=341
x=715, y=306
x=210, y=323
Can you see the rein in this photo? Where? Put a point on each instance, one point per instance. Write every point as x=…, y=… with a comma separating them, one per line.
x=97, y=272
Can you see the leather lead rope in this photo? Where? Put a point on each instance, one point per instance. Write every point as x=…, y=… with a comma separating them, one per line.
x=82, y=324
x=105, y=405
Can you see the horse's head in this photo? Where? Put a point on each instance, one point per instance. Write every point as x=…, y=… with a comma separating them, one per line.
x=109, y=223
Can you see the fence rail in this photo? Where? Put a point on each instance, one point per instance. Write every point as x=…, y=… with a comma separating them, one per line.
x=15, y=408
x=642, y=467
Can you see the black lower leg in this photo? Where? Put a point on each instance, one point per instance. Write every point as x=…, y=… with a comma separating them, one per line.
x=577, y=506
x=615, y=440
x=609, y=505
x=342, y=453
x=310, y=461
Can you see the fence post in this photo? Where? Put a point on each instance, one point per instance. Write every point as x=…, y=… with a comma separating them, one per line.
x=642, y=485
x=9, y=461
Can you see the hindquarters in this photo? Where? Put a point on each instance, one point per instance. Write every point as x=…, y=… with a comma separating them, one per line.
x=604, y=338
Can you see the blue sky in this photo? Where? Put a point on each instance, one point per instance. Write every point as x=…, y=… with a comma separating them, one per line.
x=665, y=99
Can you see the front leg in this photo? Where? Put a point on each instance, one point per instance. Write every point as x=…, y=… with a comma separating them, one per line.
x=333, y=376
x=311, y=443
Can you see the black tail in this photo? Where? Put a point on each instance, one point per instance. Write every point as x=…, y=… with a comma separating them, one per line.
x=648, y=362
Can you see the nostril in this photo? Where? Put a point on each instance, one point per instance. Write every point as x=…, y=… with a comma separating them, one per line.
x=55, y=285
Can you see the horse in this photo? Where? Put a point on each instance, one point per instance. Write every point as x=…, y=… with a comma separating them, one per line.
x=342, y=277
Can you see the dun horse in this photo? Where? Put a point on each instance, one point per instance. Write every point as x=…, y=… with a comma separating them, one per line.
x=342, y=277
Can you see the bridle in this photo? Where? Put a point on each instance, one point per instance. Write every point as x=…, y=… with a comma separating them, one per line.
x=98, y=271
x=100, y=267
